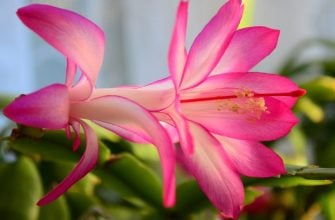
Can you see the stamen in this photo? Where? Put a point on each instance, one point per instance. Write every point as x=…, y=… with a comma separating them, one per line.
x=244, y=93
x=253, y=106
x=241, y=101
x=244, y=102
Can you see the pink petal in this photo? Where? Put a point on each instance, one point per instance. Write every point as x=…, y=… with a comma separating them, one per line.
x=154, y=97
x=214, y=173
x=172, y=131
x=85, y=165
x=210, y=44
x=169, y=125
x=139, y=136
x=243, y=118
x=181, y=125
x=82, y=90
x=45, y=108
x=229, y=84
x=127, y=114
x=252, y=158
x=77, y=38
x=71, y=70
x=68, y=132
x=136, y=135
x=76, y=128
x=177, y=50
x=246, y=49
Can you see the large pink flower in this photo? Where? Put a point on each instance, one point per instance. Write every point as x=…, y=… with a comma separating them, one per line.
x=64, y=106
x=219, y=110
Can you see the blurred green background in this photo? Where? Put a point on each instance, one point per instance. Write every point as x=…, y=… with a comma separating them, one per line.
x=126, y=183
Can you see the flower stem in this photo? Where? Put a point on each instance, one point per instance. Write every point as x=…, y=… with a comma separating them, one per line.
x=311, y=172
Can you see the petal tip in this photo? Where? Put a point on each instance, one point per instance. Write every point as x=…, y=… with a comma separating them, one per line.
x=42, y=202
x=45, y=108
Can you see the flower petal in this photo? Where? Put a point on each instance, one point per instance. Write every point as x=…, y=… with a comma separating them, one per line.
x=71, y=70
x=214, y=172
x=78, y=39
x=125, y=113
x=252, y=158
x=246, y=49
x=210, y=44
x=247, y=118
x=177, y=50
x=261, y=84
x=45, y=108
x=154, y=97
x=76, y=128
x=82, y=90
x=181, y=125
x=136, y=135
x=172, y=131
x=85, y=165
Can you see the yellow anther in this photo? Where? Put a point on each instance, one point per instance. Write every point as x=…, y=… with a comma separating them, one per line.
x=243, y=92
x=244, y=103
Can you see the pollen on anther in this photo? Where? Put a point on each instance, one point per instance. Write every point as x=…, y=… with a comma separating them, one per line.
x=256, y=107
x=244, y=92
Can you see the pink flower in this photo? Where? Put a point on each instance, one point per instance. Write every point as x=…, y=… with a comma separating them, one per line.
x=64, y=106
x=216, y=108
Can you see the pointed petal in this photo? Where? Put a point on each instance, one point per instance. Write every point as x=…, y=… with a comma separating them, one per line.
x=229, y=84
x=247, y=118
x=252, y=158
x=82, y=90
x=76, y=128
x=210, y=44
x=177, y=50
x=125, y=113
x=78, y=39
x=181, y=125
x=172, y=131
x=139, y=136
x=71, y=69
x=68, y=132
x=136, y=135
x=45, y=108
x=154, y=97
x=214, y=173
x=85, y=165
x=246, y=49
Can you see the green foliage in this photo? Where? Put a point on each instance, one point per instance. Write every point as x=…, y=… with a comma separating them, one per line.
x=311, y=109
x=80, y=204
x=132, y=180
x=21, y=188
x=55, y=211
x=51, y=145
x=190, y=198
x=327, y=203
x=49, y=151
x=4, y=100
x=126, y=184
x=247, y=18
x=290, y=181
x=321, y=88
x=311, y=172
x=313, y=139
x=251, y=194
